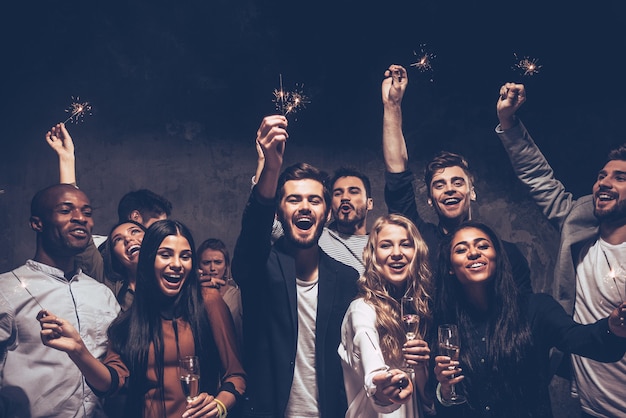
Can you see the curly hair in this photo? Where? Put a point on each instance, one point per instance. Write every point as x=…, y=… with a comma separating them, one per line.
x=378, y=292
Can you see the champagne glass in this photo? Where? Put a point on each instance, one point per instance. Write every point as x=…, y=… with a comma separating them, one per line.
x=189, y=374
x=449, y=345
x=411, y=321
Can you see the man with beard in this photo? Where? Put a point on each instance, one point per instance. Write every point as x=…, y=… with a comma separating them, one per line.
x=589, y=278
x=36, y=381
x=449, y=183
x=294, y=295
x=345, y=237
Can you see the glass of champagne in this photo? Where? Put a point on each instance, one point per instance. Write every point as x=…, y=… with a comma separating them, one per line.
x=410, y=319
x=449, y=345
x=189, y=375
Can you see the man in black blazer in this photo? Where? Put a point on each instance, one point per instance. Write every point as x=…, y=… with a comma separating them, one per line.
x=294, y=295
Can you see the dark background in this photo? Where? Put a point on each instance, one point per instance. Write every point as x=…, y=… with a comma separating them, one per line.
x=178, y=89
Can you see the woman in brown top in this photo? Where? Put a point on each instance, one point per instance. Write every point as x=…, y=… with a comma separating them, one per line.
x=167, y=320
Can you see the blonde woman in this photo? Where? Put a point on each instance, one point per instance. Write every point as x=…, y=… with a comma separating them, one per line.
x=374, y=349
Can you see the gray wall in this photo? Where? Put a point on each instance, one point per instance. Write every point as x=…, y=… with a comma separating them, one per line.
x=208, y=180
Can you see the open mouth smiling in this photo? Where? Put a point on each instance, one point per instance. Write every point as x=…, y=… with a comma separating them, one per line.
x=304, y=223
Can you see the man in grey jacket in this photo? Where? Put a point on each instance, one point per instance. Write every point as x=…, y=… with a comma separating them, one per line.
x=589, y=277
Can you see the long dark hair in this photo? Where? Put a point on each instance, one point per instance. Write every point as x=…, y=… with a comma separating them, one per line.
x=508, y=336
x=133, y=332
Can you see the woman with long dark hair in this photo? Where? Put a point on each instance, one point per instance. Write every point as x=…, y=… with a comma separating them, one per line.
x=375, y=351
x=505, y=336
x=167, y=320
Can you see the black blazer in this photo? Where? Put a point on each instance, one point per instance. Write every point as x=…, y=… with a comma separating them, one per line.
x=266, y=275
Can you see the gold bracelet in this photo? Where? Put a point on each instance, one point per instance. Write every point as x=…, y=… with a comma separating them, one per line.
x=221, y=408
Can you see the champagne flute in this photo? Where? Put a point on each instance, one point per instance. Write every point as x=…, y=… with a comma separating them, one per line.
x=189, y=374
x=411, y=321
x=449, y=345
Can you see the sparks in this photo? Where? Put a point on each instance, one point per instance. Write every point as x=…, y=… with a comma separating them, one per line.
x=527, y=66
x=424, y=60
x=24, y=286
x=289, y=101
x=77, y=110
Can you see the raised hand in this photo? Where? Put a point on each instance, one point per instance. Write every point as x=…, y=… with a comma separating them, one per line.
x=61, y=142
x=271, y=138
x=511, y=98
x=394, y=85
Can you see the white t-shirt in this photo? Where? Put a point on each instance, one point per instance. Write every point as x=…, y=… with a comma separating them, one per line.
x=303, y=398
x=600, y=287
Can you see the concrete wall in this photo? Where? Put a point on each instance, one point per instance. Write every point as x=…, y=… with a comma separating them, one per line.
x=208, y=180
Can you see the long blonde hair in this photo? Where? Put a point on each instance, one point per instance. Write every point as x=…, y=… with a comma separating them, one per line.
x=375, y=290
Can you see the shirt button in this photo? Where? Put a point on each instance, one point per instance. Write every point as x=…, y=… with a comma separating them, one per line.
x=487, y=408
x=482, y=360
x=483, y=339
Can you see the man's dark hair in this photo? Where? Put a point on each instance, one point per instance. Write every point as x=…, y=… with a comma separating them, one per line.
x=350, y=172
x=303, y=171
x=618, y=153
x=148, y=203
x=443, y=160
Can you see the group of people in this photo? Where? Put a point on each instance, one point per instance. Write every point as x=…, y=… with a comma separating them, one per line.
x=306, y=321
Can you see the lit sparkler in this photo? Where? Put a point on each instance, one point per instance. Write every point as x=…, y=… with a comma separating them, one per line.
x=424, y=59
x=289, y=101
x=77, y=110
x=527, y=66
x=24, y=286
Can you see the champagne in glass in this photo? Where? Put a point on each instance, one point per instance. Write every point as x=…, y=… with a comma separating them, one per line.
x=410, y=318
x=189, y=375
x=449, y=345
x=411, y=321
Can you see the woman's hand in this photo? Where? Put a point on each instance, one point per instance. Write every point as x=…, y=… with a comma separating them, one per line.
x=58, y=333
x=393, y=386
x=445, y=369
x=203, y=405
x=416, y=353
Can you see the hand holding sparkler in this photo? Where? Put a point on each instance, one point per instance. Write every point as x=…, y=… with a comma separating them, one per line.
x=59, y=334
x=271, y=137
x=617, y=321
x=394, y=85
x=512, y=96
x=61, y=142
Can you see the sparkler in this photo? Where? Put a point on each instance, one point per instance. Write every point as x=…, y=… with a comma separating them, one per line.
x=77, y=110
x=289, y=101
x=424, y=59
x=25, y=287
x=527, y=66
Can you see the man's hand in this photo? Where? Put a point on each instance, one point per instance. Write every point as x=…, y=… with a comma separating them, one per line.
x=512, y=96
x=617, y=321
x=394, y=85
x=60, y=141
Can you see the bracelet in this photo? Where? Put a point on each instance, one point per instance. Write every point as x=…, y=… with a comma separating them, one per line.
x=440, y=398
x=221, y=408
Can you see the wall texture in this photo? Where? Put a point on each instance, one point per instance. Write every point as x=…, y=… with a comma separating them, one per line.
x=208, y=180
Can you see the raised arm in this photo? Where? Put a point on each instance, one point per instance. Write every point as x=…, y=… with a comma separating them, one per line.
x=61, y=142
x=394, y=145
x=271, y=138
x=61, y=335
x=512, y=97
